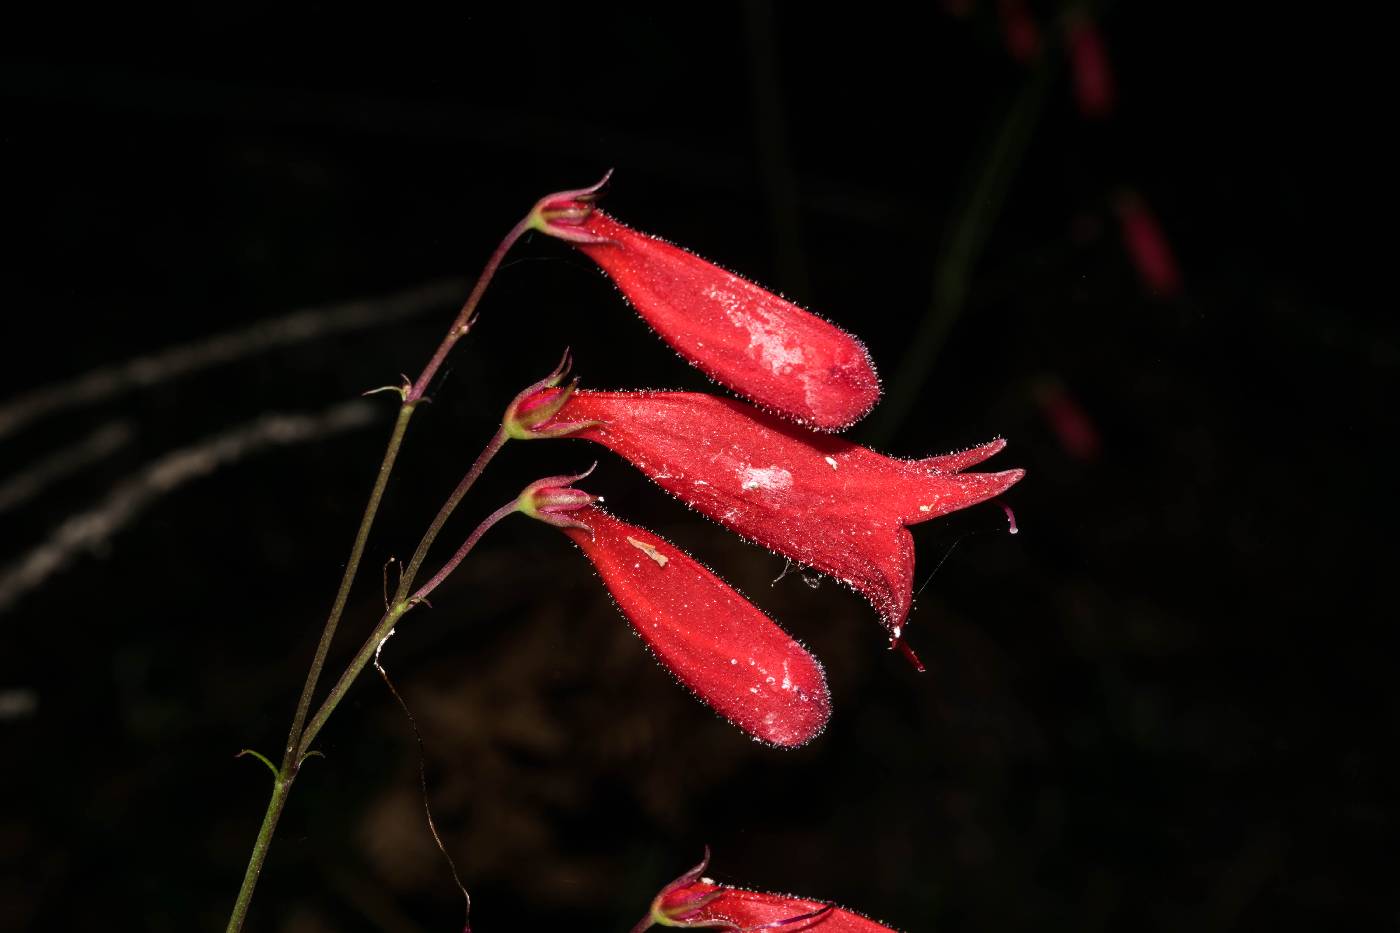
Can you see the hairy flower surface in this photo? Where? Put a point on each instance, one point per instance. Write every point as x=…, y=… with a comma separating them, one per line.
x=815, y=499
x=715, y=642
x=696, y=902
x=746, y=338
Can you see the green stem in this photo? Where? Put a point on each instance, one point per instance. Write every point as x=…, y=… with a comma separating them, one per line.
x=465, y=317
x=386, y=626
x=291, y=761
x=412, y=394
x=346, y=581
x=280, y=788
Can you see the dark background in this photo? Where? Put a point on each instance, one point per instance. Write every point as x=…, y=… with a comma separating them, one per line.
x=1165, y=705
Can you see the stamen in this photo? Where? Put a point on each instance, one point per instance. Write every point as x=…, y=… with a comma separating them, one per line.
x=1010, y=515
x=903, y=648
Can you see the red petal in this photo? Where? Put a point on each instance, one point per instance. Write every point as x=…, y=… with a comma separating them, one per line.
x=818, y=500
x=717, y=643
x=957, y=462
x=746, y=338
x=756, y=909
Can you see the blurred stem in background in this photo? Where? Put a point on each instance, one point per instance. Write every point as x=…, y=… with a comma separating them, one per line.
x=110, y=381
x=964, y=242
x=775, y=161
x=299, y=735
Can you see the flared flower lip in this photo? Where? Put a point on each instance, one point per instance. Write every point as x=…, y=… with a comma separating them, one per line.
x=820, y=501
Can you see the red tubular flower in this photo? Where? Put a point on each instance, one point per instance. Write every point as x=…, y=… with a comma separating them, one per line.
x=1093, y=75
x=816, y=499
x=1147, y=246
x=692, y=901
x=761, y=346
x=718, y=644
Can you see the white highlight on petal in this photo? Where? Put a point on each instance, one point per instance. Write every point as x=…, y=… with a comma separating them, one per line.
x=769, y=342
x=773, y=478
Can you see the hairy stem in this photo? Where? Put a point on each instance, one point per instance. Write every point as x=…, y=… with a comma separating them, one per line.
x=410, y=573
x=342, y=595
x=466, y=317
x=291, y=761
x=386, y=627
x=280, y=788
x=299, y=736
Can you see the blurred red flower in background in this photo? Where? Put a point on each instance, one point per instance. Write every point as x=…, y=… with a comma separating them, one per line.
x=1019, y=30
x=1068, y=420
x=1147, y=245
x=1088, y=59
